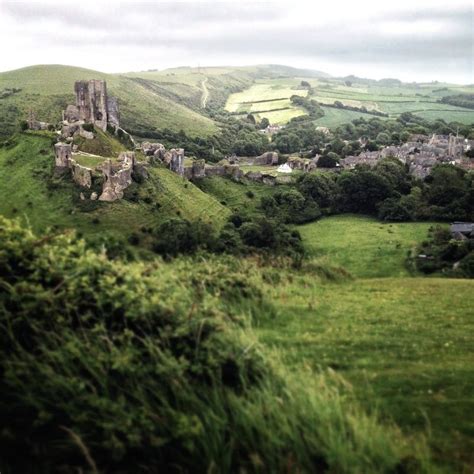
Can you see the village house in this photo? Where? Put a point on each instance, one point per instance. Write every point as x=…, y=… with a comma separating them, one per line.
x=462, y=230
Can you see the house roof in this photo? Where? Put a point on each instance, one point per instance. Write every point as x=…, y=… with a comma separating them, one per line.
x=462, y=227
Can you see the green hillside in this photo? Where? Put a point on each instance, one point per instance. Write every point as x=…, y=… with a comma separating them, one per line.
x=48, y=89
x=36, y=196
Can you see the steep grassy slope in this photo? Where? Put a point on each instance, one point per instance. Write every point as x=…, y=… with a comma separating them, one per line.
x=404, y=343
x=242, y=196
x=48, y=89
x=30, y=191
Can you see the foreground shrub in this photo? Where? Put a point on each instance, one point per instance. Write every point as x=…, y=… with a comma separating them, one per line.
x=113, y=367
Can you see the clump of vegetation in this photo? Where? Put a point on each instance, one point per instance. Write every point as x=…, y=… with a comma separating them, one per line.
x=310, y=105
x=110, y=366
x=242, y=234
x=339, y=105
x=290, y=207
x=442, y=253
x=88, y=127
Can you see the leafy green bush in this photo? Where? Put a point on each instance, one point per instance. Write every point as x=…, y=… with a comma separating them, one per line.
x=180, y=236
x=290, y=207
x=441, y=253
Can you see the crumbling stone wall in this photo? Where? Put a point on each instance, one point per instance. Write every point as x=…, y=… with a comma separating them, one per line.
x=113, y=111
x=34, y=124
x=81, y=175
x=177, y=161
x=117, y=180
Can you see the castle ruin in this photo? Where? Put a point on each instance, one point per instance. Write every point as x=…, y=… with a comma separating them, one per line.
x=93, y=105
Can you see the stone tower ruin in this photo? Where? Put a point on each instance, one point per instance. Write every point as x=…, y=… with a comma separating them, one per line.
x=91, y=101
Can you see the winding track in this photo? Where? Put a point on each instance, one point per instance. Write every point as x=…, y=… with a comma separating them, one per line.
x=205, y=93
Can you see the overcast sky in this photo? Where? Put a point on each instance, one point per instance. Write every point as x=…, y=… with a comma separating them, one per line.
x=420, y=40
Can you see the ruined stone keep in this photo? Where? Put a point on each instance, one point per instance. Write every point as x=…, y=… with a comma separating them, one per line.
x=93, y=104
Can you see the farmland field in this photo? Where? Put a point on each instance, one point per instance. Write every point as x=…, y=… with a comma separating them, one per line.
x=403, y=342
x=270, y=98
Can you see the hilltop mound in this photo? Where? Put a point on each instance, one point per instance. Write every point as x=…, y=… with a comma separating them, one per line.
x=44, y=199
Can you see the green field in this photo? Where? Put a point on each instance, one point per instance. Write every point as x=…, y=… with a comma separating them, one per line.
x=365, y=247
x=270, y=99
x=404, y=343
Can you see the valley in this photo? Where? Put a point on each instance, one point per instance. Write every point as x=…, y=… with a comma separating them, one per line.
x=237, y=295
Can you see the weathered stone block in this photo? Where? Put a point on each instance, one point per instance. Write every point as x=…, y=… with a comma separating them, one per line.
x=63, y=153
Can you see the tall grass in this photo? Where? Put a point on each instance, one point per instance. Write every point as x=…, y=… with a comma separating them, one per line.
x=107, y=366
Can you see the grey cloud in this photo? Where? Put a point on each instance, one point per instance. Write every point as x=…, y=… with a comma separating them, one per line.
x=249, y=30
x=144, y=15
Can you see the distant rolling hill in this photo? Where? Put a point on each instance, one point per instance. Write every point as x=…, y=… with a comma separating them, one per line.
x=187, y=99
x=48, y=89
x=149, y=100
x=356, y=98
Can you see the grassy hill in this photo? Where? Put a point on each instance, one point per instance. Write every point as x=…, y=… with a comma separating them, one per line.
x=185, y=98
x=36, y=196
x=403, y=342
x=48, y=89
x=176, y=99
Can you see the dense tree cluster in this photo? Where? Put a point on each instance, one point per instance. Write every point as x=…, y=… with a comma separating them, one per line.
x=244, y=233
x=339, y=105
x=310, y=105
x=391, y=193
x=460, y=100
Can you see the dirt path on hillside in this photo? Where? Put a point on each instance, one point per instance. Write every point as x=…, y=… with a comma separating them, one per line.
x=205, y=93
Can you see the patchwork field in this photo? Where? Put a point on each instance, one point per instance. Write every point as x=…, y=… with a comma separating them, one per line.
x=403, y=342
x=270, y=98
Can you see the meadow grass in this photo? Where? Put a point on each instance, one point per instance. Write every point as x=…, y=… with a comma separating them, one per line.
x=362, y=245
x=334, y=117
x=404, y=343
x=266, y=97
